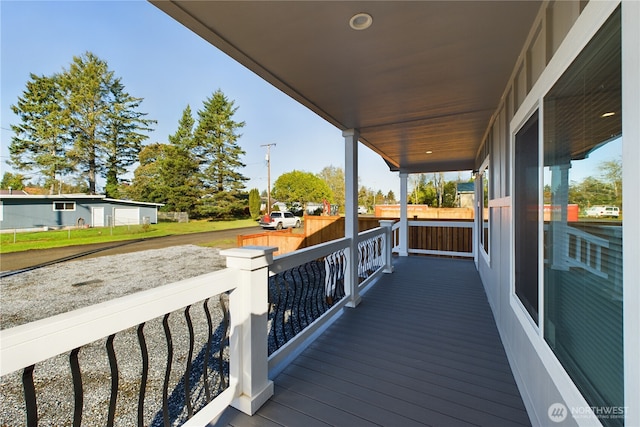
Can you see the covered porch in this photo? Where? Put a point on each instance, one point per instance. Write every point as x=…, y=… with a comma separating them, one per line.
x=421, y=348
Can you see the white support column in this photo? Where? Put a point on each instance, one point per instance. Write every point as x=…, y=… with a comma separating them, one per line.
x=248, y=364
x=558, y=216
x=387, y=224
x=404, y=225
x=351, y=213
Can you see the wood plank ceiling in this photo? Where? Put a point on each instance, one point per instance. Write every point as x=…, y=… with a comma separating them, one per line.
x=426, y=76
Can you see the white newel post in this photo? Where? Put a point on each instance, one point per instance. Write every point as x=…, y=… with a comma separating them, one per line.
x=248, y=305
x=387, y=224
x=404, y=224
x=351, y=214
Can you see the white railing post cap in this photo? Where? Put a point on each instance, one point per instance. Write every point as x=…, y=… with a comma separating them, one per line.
x=387, y=222
x=249, y=257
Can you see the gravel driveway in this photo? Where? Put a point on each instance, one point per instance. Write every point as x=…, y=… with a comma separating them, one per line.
x=63, y=287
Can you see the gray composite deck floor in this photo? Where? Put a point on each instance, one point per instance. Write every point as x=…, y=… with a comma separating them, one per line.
x=421, y=349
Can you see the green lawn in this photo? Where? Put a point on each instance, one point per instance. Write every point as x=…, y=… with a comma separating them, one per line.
x=83, y=236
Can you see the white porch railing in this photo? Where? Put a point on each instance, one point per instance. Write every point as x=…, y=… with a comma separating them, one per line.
x=424, y=226
x=579, y=249
x=246, y=368
x=374, y=258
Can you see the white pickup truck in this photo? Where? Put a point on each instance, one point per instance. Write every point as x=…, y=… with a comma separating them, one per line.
x=280, y=220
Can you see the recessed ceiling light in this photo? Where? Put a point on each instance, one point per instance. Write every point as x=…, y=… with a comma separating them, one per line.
x=360, y=21
x=608, y=114
x=429, y=152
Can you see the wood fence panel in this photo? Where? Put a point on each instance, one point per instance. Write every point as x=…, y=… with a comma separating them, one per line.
x=441, y=238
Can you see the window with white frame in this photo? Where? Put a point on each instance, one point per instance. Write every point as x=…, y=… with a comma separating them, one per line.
x=64, y=206
x=582, y=176
x=484, y=206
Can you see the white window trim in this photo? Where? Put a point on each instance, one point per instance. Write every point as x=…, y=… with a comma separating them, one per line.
x=486, y=166
x=53, y=206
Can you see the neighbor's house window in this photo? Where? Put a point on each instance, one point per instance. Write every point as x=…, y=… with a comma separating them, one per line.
x=582, y=248
x=64, y=206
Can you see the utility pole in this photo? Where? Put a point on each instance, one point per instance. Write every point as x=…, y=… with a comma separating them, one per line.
x=268, y=159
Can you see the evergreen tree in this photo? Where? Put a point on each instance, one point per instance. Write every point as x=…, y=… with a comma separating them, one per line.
x=390, y=198
x=216, y=145
x=183, y=138
x=254, y=203
x=80, y=120
x=167, y=174
x=123, y=140
x=86, y=85
x=41, y=139
x=216, y=148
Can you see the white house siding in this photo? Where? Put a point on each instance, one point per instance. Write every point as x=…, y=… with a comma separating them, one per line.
x=564, y=29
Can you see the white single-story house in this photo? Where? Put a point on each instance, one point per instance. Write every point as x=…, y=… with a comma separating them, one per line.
x=28, y=212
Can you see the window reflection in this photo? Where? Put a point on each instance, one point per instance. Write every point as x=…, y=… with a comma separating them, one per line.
x=583, y=220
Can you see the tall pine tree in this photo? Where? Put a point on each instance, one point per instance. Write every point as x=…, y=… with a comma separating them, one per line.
x=217, y=150
x=41, y=139
x=122, y=137
x=86, y=85
x=78, y=121
x=183, y=138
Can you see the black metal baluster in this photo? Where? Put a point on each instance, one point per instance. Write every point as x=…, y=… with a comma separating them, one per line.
x=280, y=304
x=205, y=372
x=223, y=340
x=187, y=374
x=304, y=296
x=77, y=387
x=113, y=364
x=314, y=290
x=296, y=307
x=289, y=305
x=145, y=374
x=332, y=278
x=30, y=396
x=341, y=267
x=315, y=309
x=165, y=387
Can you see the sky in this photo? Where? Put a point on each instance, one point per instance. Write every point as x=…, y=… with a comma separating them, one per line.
x=170, y=67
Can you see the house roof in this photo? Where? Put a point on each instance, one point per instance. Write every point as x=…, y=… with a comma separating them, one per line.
x=13, y=192
x=76, y=197
x=425, y=76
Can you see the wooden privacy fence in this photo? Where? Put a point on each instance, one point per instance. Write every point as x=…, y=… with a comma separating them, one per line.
x=285, y=240
x=435, y=237
x=452, y=237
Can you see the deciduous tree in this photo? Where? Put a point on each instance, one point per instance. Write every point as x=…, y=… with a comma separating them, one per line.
x=334, y=177
x=300, y=187
x=13, y=181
